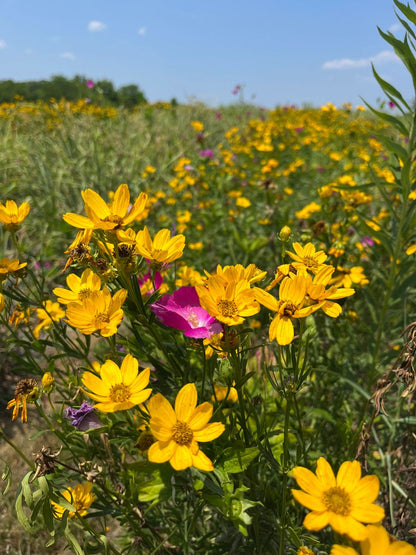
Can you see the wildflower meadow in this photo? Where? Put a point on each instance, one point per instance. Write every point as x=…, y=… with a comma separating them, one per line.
x=208, y=326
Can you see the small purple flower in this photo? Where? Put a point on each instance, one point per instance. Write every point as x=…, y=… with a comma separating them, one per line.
x=183, y=311
x=89, y=84
x=85, y=418
x=392, y=104
x=208, y=153
x=299, y=129
x=188, y=167
x=367, y=241
x=218, y=115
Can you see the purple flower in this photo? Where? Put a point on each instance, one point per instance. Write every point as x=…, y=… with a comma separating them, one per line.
x=89, y=83
x=85, y=418
x=218, y=115
x=208, y=153
x=182, y=311
x=392, y=104
x=299, y=129
x=367, y=241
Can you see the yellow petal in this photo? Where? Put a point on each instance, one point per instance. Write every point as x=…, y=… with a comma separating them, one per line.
x=308, y=481
x=185, y=402
x=349, y=474
x=348, y=526
x=129, y=369
x=366, y=491
x=160, y=407
x=200, y=416
x=110, y=373
x=96, y=204
x=202, y=462
x=210, y=432
x=94, y=383
x=160, y=430
x=370, y=513
x=181, y=458
x=81, y=222
x=121, y=201
x=161, y=452
x=325, y=473
x=308, y=501
x=316, y=521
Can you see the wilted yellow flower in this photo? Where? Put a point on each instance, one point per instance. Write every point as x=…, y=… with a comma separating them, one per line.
x=19, y=315
x=99, y=312
x=343, y=502
x=80, y=288
x=79, y=497
x=52, y=312
x=101, y=215
x=12, y=215
x=26, y=391
x=117, y=388
x=179, y=431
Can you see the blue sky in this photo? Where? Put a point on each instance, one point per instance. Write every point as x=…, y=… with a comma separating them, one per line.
x=281, y=51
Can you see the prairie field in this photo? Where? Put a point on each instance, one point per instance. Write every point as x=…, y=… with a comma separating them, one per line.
x=261, y=264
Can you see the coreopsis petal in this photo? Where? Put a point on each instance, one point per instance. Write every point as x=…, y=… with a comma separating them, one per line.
x=181, y=458
x=121, y=201
x=186, y=402
x=282, y=330
x=161, y=407
x=78, y=221
x=140, y=397
x=370, y=513
x=137, y=208
x=316, y=521
x=348, y=476
x=210, y=432
x=95, y=384
x=348, y=526
x=161, y=451
x=141, y=380
x=110, y=373
x=129, y=368
x=202, y=462
x=200, y=416
x=307, y=480
x=309, y=501
x=160, y=430
x=96, y=204
x=367, y=489
x=325, y=473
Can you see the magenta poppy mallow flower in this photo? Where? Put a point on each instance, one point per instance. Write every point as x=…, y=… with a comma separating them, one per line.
x=183, y=311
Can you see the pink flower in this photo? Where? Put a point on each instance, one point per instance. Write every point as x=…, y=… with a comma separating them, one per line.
x=208, y=153
x=182, y=311
x=89, y=83
x=392, y=104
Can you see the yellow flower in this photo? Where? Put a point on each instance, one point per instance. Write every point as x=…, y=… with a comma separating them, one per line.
x=12, y=215
x=52, y=312
x=285, y=233
x=344, y=502
x=47, y=380
x=163, y=249
x=101, y=215
x=307, y=210
x=317, y=292
x=80, y=288
x=243, y=202
x=117, y=388
x=225, y=393
x=80, y=497
x=377, y=543
x=196, y=246
x=228, y=301
x=348, y=276
x=178, y=431
x=2, y=302
x=19, y=314
x=8, y=266
x=99, y=312
x=411, y=250
x=26, y=390
x=79, y=250
x=198, y=126
x=292, y=294
x=307, y=257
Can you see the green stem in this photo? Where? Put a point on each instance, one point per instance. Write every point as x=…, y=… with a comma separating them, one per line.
x=18, y=451
x=285, y=473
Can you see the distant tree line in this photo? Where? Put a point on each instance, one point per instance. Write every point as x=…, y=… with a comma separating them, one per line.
x=79, y=87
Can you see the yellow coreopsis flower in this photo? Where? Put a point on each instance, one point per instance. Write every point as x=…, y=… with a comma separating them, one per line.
x=26, y=391
x=347, y=276
x=80, y=498
x=411, y=250
x=163, y=249
x=8, y=266
x=377, y=543
x=2, y=302
x=52, y=312
x=101, y=215
x=239, y=272
x=117, y=388
x=100, y=312
x=80, y=288
x=292, y=297
x=307, y=257
x=198, y=126
x=179, y=430
x=317, y=292
x=12, y=215
x=343, y=502
x=228, y=301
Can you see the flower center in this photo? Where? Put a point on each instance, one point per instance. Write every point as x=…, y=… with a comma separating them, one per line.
x=100, y=319
x=113, y=218
x=287, y=309
x=119, y=393
x=84, y=293
x=337, y=500
x=25, y=387
x=193, y=319
x=182, y=433
x=227, y=308
x=310, y=262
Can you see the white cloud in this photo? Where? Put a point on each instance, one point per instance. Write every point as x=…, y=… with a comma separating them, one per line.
x=142, y=31
x=94, y=26
x=383, y=57
x=395, y=27
x=67, y=56
x=2, y=44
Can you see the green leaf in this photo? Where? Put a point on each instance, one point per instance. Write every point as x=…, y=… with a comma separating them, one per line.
x=389, y=89
x=389, y=119
x=406, y=11
x=237, y=459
